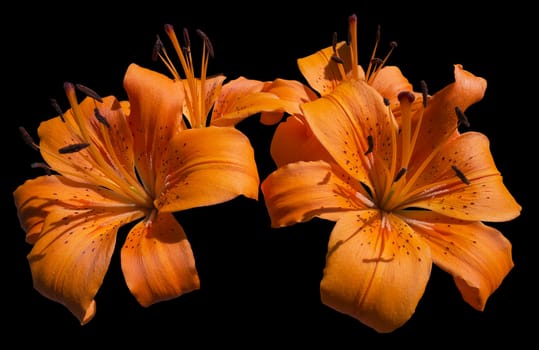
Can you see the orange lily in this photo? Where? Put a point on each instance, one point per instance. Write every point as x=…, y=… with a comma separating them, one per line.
x=136, y=161
x=404, y=194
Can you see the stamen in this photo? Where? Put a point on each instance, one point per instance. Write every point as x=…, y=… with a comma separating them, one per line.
x=460, y=175
x=424, y=92
x=43, y=166
x=406, y=94
x=334, y=42
x=337, y=59
x=89, y=92
x=57, y=108
x=186, y=38
x=101, y=118
x=73, y=148
x=157, y=46
x=28, y=139
x=370, y=142
x=386, y=101
x=207, y=42
x=401, y=172
x=462, y=117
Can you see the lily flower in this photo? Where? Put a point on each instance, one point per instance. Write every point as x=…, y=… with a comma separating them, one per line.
x=404, y=195
x=114, y=163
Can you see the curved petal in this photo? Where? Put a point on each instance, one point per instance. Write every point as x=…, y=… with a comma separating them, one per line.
x=344, y=120
x=323, y=73
x=111, y=145
x=478, y=256
x=157, y=261
x=72, y=252
x=376, y=270
x=294, y=141
x=156, y=115
x=37, y=198
x=440, y=120
x=207, y=166
x=300, y=191
x=485, y=198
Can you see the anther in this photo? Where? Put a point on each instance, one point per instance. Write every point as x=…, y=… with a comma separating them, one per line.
x=89, y=92
x=462, y=117
x=406, y=94
x=370, y=143
x=73, y=148
x=43, y=166
x=27, y=138
x=386, y=101
x=207, y=42
x=186, y=38
x=57, y=108
x=157, y=48
x=393, y=44
x=424, y=92
x=334, y=42
x=337, y=59
x=401, y=172
x=101, y=118
x=377, y=61
x=460, y=175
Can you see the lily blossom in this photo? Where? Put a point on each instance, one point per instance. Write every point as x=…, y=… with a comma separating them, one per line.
x=114, y=163
x=405, y=193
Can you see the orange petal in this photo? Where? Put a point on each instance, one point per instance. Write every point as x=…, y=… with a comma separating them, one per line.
x=376, y=270
x=207, y=166
x=440, y=119
x=157, y=261
x=485, y=198
x=156, y=110
x=113, y=142
x=72, y=252
x=478, y=256
x=297, y=192
x=293, y=141
x=343, y=122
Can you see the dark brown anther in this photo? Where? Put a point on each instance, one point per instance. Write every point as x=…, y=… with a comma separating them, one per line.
x=393, y=44
x=27, y=138
x=386, y=101
x=406, y=95
x=399, y=174
x=424, y=92
x=207, y=42
x=370, y=142
x=157, y=46
x=42, y=166
x=334, y=41
x=89, y=92
x=186, y=38
x=57, y=108
x=337, y=59
x=460, y=175
x=101, y=118
x=378, y=33
x=462, y=117
x=377, y=61
x=73, y=148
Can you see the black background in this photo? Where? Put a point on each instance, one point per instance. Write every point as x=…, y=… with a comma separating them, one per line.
x=260, y=286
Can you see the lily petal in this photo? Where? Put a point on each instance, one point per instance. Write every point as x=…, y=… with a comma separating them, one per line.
x=207, y=166
x=299, y=191
x=77, y=237
x=153, y=97
x=157, y=261
x=478, y=256
x=376, y=270
x=485, y=198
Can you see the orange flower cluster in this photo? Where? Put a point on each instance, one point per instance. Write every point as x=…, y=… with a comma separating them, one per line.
x=361, y=147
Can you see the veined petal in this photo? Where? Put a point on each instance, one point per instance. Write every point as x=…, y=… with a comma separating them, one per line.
x=113, y=142
x=476, y=255
x=440, y=119
x=376, y=270
x=299, y=191
x=323, y=73
x=71, y=255
x=344, y=120
x=157, y=261
x=292, y=93
x=247, y=105
x=156, y=115
x=37, y=198
x=485, y=198
x=293, y=141
x=207, y=166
